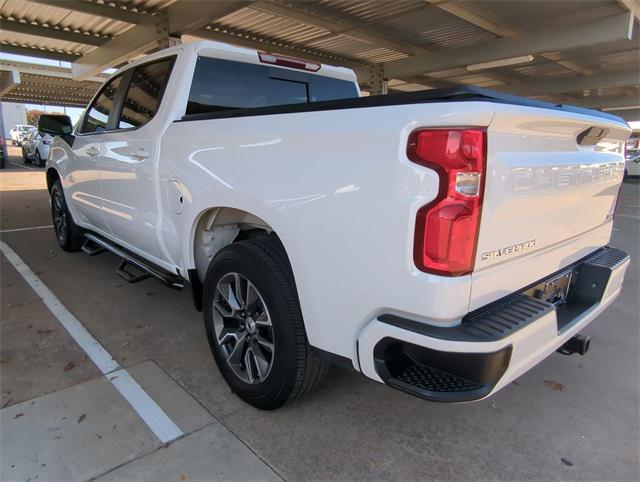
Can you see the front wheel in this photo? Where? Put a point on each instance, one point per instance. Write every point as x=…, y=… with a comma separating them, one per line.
x=68, y=234
x=254, y=325
x=25, y=158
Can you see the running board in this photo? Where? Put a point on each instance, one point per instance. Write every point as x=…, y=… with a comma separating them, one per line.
x=91, y=248
x=97, y=244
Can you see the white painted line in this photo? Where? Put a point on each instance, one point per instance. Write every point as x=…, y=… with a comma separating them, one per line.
x=627, y=216
x=16, y=230
x=78, y=332
x=23, y=166
x=143, y=404
x=156, y=419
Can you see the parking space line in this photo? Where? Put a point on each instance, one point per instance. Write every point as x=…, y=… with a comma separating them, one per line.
x=151, y=413
x=16, y=230
x=155, y=418
x=627, y=216
x=23, y=166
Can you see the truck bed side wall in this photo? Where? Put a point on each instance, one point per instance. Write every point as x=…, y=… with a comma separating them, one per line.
x=340, y=193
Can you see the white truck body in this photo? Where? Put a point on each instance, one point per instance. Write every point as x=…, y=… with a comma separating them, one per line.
x=338, y=189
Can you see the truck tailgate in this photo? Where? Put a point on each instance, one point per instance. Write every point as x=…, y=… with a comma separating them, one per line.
x=552, y=181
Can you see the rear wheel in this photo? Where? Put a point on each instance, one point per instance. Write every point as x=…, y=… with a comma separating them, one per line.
x=254, y=325
x=68, y=234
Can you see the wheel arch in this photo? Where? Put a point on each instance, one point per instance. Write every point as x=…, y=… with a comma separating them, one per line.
x=52, y=176
x=216, y=227
x=213, y=229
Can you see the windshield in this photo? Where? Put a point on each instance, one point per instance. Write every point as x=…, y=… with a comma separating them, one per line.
x=24, y=128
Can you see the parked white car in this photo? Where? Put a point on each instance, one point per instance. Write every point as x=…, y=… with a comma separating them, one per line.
x=632, y=165
x=442, y=242
x=19, y=133
x=35, y=148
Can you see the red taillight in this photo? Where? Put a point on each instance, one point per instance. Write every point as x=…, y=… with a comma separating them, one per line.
x=291, y=62
x=447, y=228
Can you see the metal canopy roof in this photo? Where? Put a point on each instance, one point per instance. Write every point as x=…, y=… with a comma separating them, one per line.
x=581, y=52
x=44, y=84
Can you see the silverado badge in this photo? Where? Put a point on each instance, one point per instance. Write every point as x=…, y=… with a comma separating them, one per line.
x=516, y=248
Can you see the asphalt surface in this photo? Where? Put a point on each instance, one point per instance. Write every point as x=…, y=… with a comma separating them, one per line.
x=570, y=418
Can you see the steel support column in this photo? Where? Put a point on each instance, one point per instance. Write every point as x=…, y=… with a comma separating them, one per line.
x=379, y=84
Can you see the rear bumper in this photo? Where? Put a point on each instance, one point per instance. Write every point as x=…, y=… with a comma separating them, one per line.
x=492, y=346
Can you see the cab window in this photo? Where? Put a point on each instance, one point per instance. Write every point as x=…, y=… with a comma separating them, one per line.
x=97, y=116
x=220, y=85
x=144, y=93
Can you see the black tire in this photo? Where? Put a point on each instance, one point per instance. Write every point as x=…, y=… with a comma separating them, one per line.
x=25, y=158
x=296, y=369
x=39, y=162
x=70, y=236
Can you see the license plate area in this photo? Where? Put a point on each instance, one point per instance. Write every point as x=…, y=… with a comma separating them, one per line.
x=555, y=290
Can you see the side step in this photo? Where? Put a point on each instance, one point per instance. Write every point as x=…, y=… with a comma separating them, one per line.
x=91, y=248
x=130, y=277
x=96, y=244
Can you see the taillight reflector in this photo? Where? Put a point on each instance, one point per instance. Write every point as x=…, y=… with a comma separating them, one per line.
x=446, y=231
x=291, y=62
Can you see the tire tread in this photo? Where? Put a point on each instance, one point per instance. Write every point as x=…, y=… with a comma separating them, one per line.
x=312, y=369
x=75, y=237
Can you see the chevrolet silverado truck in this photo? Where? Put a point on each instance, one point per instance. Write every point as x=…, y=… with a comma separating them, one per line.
x=441, y=242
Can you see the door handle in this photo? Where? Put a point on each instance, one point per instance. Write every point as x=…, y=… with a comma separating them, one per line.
x=92, y=151
x=140, y=154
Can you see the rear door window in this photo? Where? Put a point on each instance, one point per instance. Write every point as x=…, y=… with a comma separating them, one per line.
x=220, y=85
x=97, y=116
x=144, y=94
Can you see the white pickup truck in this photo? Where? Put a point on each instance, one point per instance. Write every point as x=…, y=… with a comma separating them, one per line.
x=441, y=242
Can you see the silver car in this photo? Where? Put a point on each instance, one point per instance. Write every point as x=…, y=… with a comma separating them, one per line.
x=36, y=148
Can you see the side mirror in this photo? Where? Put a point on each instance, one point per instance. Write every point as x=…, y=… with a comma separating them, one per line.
x=55, y=124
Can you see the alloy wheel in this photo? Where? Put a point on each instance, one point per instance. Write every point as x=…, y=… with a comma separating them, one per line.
x=59, y=216
x=243, y=328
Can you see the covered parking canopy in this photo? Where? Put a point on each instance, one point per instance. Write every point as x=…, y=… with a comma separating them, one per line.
x=23, y=82
x=584, y=53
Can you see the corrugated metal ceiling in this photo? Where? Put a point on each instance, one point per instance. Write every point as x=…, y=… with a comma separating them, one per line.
x=527, y=15
x=60, y=17
x=416, y=24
